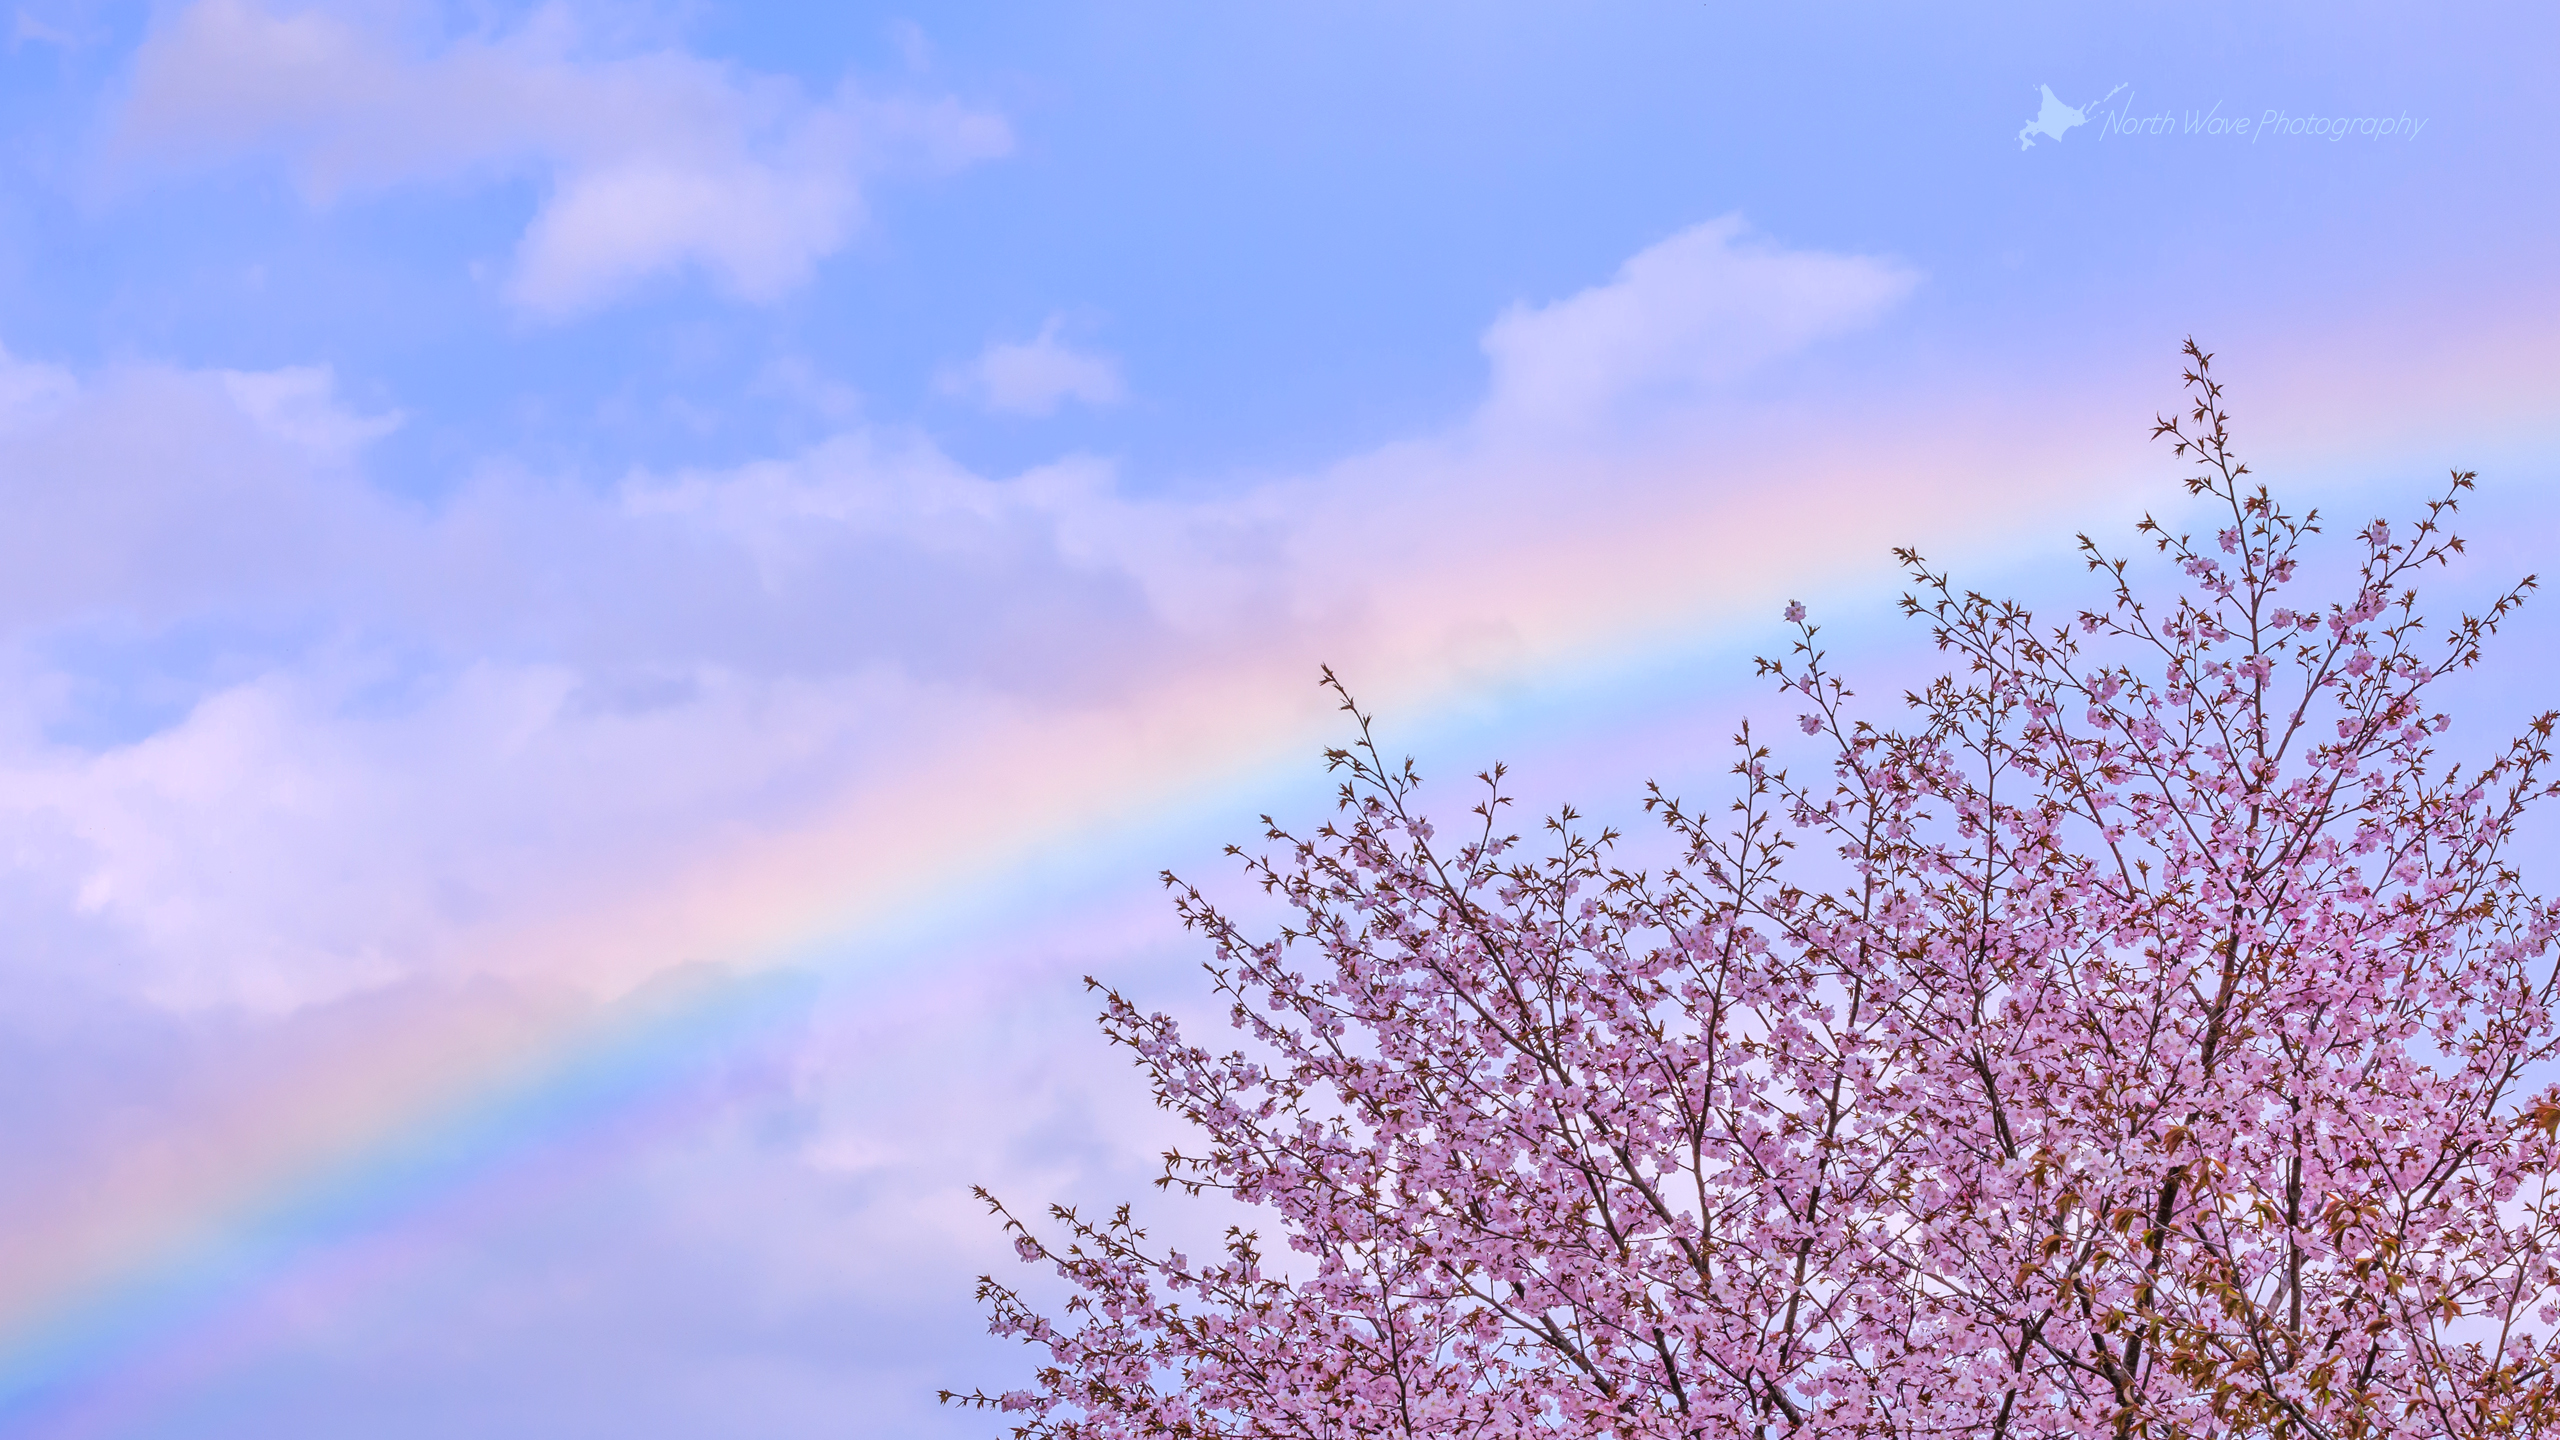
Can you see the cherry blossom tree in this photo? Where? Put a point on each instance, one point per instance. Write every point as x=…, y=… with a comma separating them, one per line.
x=2144, y=1034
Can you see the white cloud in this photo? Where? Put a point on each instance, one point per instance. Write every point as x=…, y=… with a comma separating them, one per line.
x=1031, y=377
x=655, y=161
x=1701, y=307
x=757, y=229
x=299, y=405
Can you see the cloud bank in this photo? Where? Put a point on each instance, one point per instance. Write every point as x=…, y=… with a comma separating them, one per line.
x=287, y=737
x=327, y=802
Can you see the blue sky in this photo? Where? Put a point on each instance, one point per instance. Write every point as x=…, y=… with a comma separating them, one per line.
x=1288, y=223
x=531, y=523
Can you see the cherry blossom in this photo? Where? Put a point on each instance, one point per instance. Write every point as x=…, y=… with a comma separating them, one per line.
x=2135, y=1036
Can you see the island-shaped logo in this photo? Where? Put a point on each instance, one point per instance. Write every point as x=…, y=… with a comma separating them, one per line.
x=2056, y=118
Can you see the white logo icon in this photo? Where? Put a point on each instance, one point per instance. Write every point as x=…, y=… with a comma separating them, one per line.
x=2056, y=117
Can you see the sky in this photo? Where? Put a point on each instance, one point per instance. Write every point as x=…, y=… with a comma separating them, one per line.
x=604, y=608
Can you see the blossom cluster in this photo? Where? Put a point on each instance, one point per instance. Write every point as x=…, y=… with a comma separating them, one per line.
x=2138, y=1039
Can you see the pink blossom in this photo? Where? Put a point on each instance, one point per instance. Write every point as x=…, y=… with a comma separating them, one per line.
x=2156, y=1078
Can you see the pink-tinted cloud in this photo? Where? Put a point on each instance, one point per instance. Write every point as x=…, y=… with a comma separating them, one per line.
x=552, y=728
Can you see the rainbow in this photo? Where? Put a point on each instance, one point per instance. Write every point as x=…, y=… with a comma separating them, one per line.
x=1622, y=611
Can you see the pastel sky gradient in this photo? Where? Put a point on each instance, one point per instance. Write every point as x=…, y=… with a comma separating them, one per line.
x=603, y=607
